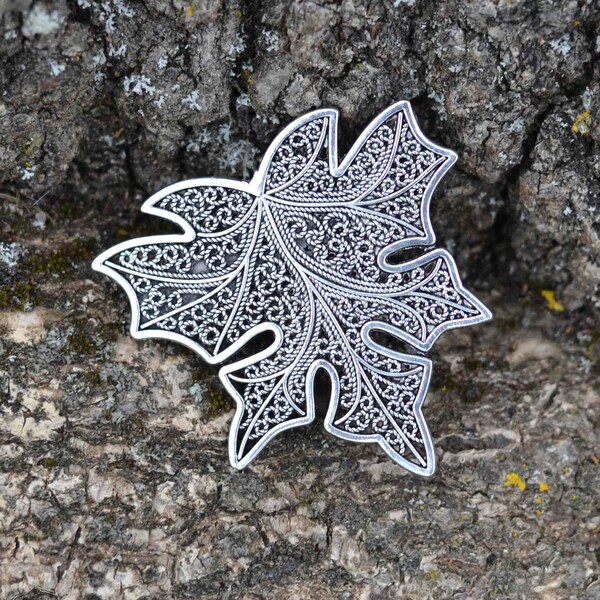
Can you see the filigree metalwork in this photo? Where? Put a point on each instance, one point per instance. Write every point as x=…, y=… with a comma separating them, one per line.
x=303, y=251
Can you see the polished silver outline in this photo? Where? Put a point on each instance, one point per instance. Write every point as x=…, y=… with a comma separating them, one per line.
x=256, y=188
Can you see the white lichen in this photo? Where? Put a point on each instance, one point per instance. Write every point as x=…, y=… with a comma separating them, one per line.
x=192, y=146
x=440, y=99
x=9, y=254
x=231, y=153
x=39, y=220
x=162, y=61
x=99, y=59
x=272, y=41
x=237, y=153
x=562, y=45
x=40, y=20
x=225, y=132
x=109, y=26
x=202, y=140
x=116, y=52
x=123, y=9
x=587, y=98
x=107, y=11
x=237, y=47
x=26, y=173
x=56, y=68
x=191, y=100
x=243, y=100
x=517, y=125
x=138, y=84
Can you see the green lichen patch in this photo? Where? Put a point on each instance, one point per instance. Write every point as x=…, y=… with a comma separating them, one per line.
x=20, y=295
x=48, y=462
x=466, y=390
x=16, y=217
x=92, y=377
x=65, y=261
x=217, y=401
x=81, y=340
x=213, y=396
x=30, y=150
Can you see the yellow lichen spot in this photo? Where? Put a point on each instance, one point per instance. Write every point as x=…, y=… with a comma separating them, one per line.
x=539, y=511
x=583, y=123
x=544, y=487
x=551, y=302
x=190, y=10
x=538, y=499
x=421, y=507
x=515, y=534
x=566, y=470
x=515, y=479
x=573, y=497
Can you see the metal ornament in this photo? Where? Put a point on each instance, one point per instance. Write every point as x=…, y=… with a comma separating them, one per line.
x=304, y=251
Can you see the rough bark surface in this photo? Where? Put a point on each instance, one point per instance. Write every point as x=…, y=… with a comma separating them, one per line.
x=114, y=478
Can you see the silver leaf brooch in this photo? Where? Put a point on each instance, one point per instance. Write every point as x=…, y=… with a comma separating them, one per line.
x=310, y=252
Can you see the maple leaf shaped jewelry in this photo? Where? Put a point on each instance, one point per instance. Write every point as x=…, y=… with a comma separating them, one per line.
x=303, y=251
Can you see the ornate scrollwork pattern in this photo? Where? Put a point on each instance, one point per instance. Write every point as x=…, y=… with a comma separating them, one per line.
x=310, y=250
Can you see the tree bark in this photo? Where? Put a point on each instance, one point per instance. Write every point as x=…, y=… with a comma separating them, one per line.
x=114, y=477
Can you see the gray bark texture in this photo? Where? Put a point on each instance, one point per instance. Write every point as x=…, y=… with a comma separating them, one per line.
x=114, y=477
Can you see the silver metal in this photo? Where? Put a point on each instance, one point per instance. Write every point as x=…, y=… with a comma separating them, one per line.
x=303, y=251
